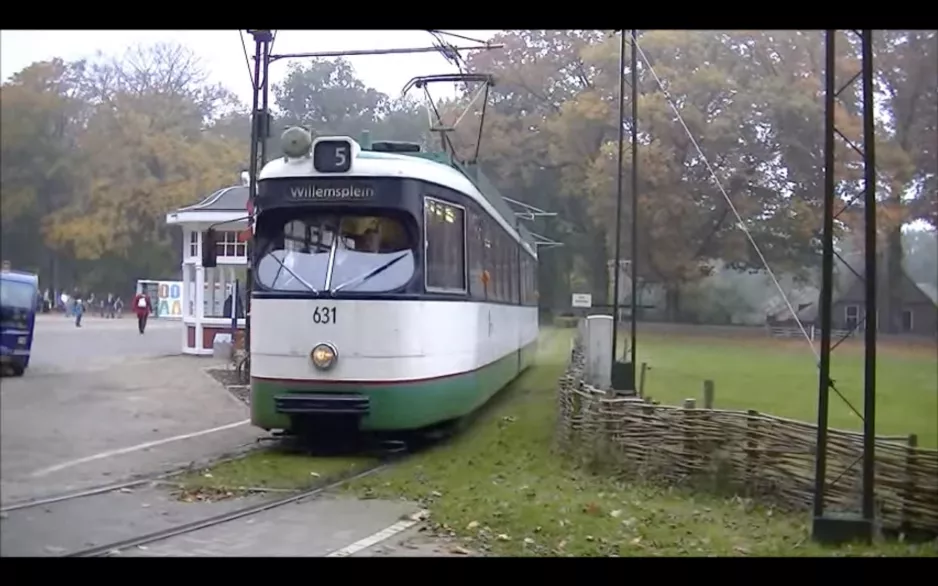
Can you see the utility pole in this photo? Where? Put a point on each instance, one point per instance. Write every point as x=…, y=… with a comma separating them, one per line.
x=840, y=528
x=260, y=132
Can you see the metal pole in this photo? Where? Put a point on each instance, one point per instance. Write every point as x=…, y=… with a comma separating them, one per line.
x=235, y=297
x=869, y=203
x=265, y=109
x=260, y=46
x=827, y=279
x=615, y=287
x=634, y=247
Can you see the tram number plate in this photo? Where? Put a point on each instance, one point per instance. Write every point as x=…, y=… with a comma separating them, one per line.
x=324, y=315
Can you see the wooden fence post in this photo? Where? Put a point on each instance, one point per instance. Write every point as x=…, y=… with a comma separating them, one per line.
x=689, y=436
x=752, y=445
x=641, y=380
x=708, y=394
x=908, y=492
x=646, y=462
x=707, y=446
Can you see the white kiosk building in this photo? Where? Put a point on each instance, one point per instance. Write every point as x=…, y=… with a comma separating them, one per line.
x=206, y=290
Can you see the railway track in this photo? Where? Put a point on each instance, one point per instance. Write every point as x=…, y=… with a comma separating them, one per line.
x=239, y=452
x=392, y=454
x=116, y=547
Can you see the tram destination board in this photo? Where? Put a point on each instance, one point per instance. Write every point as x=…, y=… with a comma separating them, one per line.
x=273, y=193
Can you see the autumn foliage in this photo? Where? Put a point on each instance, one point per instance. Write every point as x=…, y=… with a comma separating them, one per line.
x=752, y=104
x=95, y=153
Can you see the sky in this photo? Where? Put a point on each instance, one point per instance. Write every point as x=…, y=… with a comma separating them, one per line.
x=223, y=58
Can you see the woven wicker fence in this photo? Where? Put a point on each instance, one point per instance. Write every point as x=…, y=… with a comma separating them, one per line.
x=768, y=458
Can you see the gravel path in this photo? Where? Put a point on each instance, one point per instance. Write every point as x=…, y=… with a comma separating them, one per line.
x=228, y=378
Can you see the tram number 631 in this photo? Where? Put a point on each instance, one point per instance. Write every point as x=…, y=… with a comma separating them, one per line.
x=324, y=315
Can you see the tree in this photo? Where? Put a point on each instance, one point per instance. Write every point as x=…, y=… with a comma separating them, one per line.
x=907, y=76
x=41, y=168
x=326, y=96
x=149, y=148
x=921, y=255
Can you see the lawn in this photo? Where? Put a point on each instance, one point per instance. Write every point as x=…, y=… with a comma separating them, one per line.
x=780, y=378
x=499, y=488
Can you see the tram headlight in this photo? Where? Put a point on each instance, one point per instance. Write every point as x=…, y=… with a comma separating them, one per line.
x=324, y=356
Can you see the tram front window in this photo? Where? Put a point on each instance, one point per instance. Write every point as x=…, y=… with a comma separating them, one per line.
x=373, y=253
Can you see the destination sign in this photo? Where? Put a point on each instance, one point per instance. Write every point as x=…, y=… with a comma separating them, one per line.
x=313, y=192
x=293, y=191
x=332, y=156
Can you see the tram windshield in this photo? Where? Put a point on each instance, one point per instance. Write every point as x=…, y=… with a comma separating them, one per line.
x=331, y=252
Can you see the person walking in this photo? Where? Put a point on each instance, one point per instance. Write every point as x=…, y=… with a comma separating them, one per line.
x=142, y=308
x=79, y=311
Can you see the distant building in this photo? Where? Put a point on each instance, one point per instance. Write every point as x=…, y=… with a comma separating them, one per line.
x=805, y=303
x=916, y=310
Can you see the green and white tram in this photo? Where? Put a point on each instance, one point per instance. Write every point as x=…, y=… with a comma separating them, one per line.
x=390, y=291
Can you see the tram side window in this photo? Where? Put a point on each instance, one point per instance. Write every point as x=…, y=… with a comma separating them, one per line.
x=501, y=281
x=445, y=226
x=524, y=277
x=515, y=275
x=475, y=239
x=491, y=258
x=509, y=286
x=509, y=269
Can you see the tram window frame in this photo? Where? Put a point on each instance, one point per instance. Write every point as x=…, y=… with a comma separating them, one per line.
x=515, y=274
x=506, y=266
x=446, y=248
x=499, y=264
x=490, y=245
x=508, y=271
x=509, y=282
x=524, y=276
x=487, y=255
x=476, y=250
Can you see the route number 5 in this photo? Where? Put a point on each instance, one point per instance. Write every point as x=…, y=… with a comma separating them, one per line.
x=341, y=156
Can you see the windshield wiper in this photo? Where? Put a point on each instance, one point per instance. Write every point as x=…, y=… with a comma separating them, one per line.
x=362, y=278
x=289, y=270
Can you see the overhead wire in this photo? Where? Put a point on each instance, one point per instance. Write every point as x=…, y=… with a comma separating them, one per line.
x=740, y=223
x=448, y=50
x=247, y=59
x=458, y=36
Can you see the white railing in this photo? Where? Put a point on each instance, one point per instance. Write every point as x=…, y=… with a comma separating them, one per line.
x=813, y=332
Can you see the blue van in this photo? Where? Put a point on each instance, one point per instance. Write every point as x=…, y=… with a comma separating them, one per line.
x=19, y=295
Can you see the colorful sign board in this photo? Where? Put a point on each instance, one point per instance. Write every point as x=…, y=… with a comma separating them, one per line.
x=169, y=299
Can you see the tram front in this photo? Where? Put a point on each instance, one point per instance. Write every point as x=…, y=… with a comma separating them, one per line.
x=335, y=259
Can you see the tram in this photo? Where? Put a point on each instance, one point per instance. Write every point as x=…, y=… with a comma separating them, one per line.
x=391, y=293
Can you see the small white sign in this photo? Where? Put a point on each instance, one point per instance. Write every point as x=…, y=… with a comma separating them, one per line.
x=582, y=300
